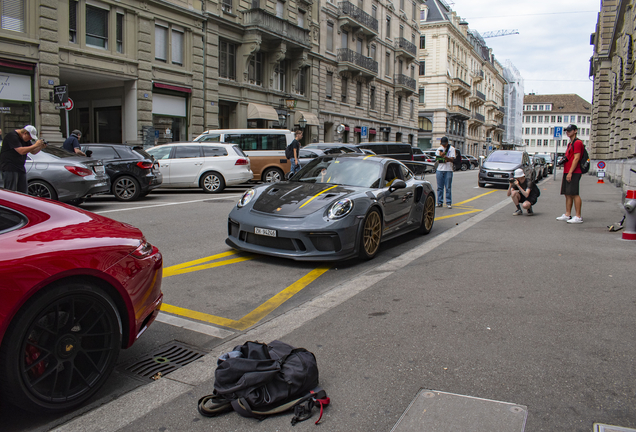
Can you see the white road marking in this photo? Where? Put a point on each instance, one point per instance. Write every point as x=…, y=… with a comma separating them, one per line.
x=170, y=204
x=193, y=326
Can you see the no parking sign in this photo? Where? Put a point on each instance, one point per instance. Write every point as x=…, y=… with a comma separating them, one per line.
x=600, y=171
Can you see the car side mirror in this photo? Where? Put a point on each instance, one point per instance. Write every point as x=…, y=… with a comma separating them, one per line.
x=397, y=184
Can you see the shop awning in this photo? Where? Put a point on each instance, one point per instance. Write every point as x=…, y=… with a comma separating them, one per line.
x=312, y=119
x=259, y=111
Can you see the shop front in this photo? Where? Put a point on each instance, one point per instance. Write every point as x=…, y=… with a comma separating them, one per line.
x=16, y=95
x=170, y=113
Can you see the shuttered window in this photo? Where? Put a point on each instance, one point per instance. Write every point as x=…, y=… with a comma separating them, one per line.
x=72, y=21
x=96, y=27
x=161, y=43
x=177, y=47
x=13, y=15
x=120, y=33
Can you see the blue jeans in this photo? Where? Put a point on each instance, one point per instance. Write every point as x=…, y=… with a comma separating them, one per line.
x=444, y=180
x=295, y=167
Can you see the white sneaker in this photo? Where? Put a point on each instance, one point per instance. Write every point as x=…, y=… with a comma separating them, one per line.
x=576, y=219
x=563, y=217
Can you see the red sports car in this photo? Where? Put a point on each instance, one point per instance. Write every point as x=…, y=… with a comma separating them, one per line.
x=75, y=288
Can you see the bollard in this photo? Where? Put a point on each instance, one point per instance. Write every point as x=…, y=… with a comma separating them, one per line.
x=629, y=232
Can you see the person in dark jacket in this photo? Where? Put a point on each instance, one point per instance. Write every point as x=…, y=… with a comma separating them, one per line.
x=72, y=144
x=13, y=153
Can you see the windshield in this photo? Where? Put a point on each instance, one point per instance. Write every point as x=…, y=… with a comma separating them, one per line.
x=349, y=171
x=506, y=157
x=58, y=152
x=547, y=158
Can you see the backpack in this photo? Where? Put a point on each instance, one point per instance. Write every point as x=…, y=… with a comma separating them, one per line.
x=535, y=190
x=289, y=152
x=257, y=380
x=584, y=163
x=457, y=163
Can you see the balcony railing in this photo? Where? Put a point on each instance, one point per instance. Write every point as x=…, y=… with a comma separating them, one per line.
x=278, y=26
x=407, y=46
x=501, y=126
x=360, y=16
x=480, y=95
x=406, y=81
x=502, y=109
x=347, y=55
x=460, y=110
x=479, y=117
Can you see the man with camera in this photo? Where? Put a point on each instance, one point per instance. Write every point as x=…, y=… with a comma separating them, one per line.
x=13, y=154
x=572, y=177
x=523, y=193
x=444, y=156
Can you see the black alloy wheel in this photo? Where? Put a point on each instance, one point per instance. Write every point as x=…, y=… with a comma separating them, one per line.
x=60, y=348
x=428, y=215
x=126, y=188
x=212, y=182
x=272, y=175
x=371, y=235
x=464, y=167
x=41, y=189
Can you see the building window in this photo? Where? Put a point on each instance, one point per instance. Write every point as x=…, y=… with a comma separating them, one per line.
x=372, y=98
x=546, y=131
x=421, y=95
x=330, y=37
x=329, y=84
x=559, y=120
x=120, y=33
x=226, y=6
x=534, y=119
x=96, y=26
x=301, y=19
x=372, y=51
x=527, y=142
x=358, y=93
x=527, y=132
x=545, y=142
x=13, y=15
x=177, y=47
x=386, y=102
x=413, y=11
x=540, y=119
x=255, y=69
x=374, y=12
x=422, y=42
x=412, y=109
x=540, y=131
x=344, y=88
x=534, y=107
x=279, y=77
x=387, y=65
x=280, y=9
x=534, y=131
x=540, y=107
x=388, y=26
x=422, y=68
x=227, y=60
x=301, y=83
x=72, y=20
x=532, y=142
x=553, y=119
x=402, y=5
x=161, y=43
x=345, y=39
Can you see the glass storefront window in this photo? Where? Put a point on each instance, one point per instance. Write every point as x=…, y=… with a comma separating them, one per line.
x=14, y=115
x=169, y=129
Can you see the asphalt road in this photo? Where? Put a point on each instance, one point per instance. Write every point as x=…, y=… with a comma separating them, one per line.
x=425, y=319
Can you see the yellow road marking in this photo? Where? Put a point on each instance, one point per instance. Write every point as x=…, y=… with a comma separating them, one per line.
x=322, y=192
x=457, y=214
x=474, y=198
x=257, y=314
x=201, y=260
x=207, y=266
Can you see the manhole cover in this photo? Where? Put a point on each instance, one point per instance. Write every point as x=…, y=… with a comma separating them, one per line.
x=163, y=360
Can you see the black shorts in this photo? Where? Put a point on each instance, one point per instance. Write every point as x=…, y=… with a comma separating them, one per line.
x=571, y=187
x=531, y=198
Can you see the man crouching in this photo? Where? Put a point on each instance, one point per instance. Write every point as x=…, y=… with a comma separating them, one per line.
x=522, y=193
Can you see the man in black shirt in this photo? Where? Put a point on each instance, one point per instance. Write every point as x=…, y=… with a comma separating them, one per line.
x=72, y=144
x=295, y=148
x=522, y=192
x=13, y=153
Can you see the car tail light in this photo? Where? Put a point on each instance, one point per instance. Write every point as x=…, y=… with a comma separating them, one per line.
x=82, y=172
x=241, y=161
x=412, y=157
x=144, y=164
x=144, y=250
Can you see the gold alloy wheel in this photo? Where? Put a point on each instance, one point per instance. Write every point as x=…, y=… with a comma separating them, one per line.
x=429, y=213
x=372, y=233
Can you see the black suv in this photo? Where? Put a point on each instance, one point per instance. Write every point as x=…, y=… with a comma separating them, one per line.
x=132, y=171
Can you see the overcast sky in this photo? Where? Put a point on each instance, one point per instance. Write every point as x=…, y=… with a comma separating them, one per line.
x=551, y=51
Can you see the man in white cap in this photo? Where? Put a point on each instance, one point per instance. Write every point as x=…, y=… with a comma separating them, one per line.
x=13, y=153
x=523, y=193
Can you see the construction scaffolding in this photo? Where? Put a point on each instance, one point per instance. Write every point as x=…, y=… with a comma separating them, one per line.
x=513, y=101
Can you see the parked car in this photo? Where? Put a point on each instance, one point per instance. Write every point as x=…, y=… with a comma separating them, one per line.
x=336, y=207
x=474, y=162
x=306, y=155
x=76, y=287
x=56, y=174
x=465, y=166
x=209, y=165
x=499, y=166
x=395, y=150
x=540, y=166
x=264, y=147
x=334, y=148
x=419, y=155
x=131, y=170
x=548, y=160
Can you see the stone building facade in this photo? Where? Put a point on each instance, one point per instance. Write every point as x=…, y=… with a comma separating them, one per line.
x=613, y=112
x=155, y=71
x=461, y=84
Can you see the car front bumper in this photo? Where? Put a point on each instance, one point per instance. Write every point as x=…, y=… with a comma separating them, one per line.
x=495, y=177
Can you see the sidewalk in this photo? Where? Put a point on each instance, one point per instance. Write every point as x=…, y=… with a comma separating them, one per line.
x=523, y=310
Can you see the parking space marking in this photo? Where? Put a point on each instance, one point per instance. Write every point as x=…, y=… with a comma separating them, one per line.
x=168, y=204
x=257, y=314
x=191, y=266
x=474, y=198
x=193, y=326
x=457, y=214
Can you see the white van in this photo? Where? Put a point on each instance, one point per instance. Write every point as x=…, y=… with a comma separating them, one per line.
x=264, y=147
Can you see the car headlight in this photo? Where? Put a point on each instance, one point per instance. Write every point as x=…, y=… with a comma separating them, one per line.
x=246, y=198
x=340, y=209
x=482, y=171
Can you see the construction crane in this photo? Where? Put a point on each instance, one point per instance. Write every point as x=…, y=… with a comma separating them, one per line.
x=492, y=34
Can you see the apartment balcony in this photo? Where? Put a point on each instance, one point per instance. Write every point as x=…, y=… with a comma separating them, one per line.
x=460, y=86
x=501, y=110
x=352, y=61
x=477, y=98
x=490, y=104
x=405, y=49
x=459, y=112
x=476, y=119
x=477, y=76
x=272, y=28
x=501, y=126
x=357, y=19
x=405, y=84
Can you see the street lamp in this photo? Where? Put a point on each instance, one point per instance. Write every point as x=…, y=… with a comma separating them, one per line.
x=302, y=123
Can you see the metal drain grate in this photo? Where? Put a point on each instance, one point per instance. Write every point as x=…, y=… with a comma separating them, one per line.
x=163, y=360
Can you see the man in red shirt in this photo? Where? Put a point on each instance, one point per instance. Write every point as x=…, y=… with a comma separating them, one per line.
x=572, y=177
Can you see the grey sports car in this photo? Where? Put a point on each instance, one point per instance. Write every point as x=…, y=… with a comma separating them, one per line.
x=336, y=207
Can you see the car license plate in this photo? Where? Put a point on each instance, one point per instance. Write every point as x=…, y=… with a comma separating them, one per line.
x=99, y=169
x=265, y=232
x=498, y=175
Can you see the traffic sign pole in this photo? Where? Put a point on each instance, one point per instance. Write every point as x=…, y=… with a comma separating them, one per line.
x=558, y=133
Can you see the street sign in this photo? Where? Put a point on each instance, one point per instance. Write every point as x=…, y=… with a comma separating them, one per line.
x=489, y=148
x=68, y=105
x=364, y=132
x=558, y=131
x=600, y=165
x=60, y=94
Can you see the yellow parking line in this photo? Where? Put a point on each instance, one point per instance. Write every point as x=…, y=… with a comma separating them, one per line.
x=257, y=314
x=171, y=271
x=457, y=214
x=199, y=261
x=474, y=198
